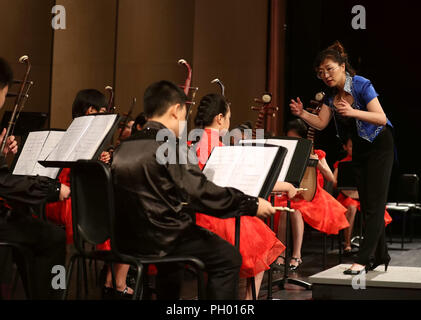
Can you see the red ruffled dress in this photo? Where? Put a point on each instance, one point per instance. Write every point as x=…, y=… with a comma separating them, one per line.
x=348, y=201
x=259, y=246
x=61, y=212
x=323, y=213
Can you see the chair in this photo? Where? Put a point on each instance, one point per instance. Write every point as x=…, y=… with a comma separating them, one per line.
x=93, y=222
x=407, y=202
x=21, y=260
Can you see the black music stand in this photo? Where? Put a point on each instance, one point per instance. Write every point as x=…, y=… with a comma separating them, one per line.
x=347, y=182
x=295, y=174
x=264, y=193
x=296, y=167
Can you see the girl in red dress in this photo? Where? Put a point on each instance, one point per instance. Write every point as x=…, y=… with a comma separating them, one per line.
x=87, y=102
x=349, y=200
x=324, y=213
x=259, y=246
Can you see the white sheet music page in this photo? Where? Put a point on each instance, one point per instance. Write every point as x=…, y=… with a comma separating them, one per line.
x=51, y=142
x=71, y=138
x=30, y=153
x=242, y=167
x=93, y=137
x=290, y=145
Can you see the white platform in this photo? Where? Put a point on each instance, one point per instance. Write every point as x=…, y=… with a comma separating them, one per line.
x=396, y=283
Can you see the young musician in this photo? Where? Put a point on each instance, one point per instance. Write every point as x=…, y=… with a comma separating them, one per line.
x=88, y=101
x=349, y=201
x=45, y=242
x=259, y=246
x=157, y=197
x=139, y=122
x=353, y=101
x=323, y=213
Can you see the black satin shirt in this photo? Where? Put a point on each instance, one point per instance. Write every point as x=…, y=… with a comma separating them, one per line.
x=25, y=190
x=156, y=203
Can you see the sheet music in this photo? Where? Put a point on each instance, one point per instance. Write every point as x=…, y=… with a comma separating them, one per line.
x=69, y=141
x=242, y=167
x=83, y=138
x=30, y=153
x=51, y=142
x=93, y=137
x=290, y=145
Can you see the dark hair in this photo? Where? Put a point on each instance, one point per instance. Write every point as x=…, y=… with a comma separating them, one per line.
x=210, y=106
x=159, y=96
x=141, y=121
x=337, y=53
x=6, y=74
x=88, y=98
x=297, y=125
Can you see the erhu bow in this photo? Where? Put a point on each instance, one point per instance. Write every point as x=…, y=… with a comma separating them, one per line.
x=21, y=98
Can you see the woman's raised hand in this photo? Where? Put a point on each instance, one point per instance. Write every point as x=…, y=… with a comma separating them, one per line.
x=296, y=107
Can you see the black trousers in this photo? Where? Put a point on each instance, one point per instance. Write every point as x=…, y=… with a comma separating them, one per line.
x=45, y=246
x=222, y=261
x=373, y=167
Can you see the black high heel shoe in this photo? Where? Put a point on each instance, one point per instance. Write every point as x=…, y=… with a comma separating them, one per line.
x=375, y=264
x=278, y=267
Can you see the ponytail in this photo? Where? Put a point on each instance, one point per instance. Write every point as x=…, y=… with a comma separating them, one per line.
x=210, y=106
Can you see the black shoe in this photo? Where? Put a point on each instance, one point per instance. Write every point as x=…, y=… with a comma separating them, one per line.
x=107, y=293
x=356, y=272
x=295, y=267
x=278, y=267
x=375, y=264
x=123, y=295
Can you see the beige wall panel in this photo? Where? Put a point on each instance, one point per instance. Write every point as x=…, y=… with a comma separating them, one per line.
x=26, y=29
x=83, y=54
x=230, y=43
x=152, y=37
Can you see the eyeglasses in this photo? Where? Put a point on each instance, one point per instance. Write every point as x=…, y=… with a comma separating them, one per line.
x=321, y=73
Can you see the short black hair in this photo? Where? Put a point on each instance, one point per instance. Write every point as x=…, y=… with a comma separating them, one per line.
x=6, y=74
x=88, y=98
x=140, y=120
x=159, y=96
x=299, y=126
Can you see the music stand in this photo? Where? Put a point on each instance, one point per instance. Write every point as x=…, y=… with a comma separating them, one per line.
x=265, y=190
x=347, y=182
x=295, y=164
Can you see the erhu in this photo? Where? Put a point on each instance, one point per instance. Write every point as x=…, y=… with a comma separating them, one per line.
x=221, y=85
x=21, y=98
x=111, y=106
x=187, y=86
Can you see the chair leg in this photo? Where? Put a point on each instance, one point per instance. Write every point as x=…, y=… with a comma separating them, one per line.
x=253, y=288
x=340, y=246
x=138, y=289
x=113, y=276
x=85, y=276
x=200, y=285
x=15, y=283
x=69, y=277
x=324, y=251
x=403, y=230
